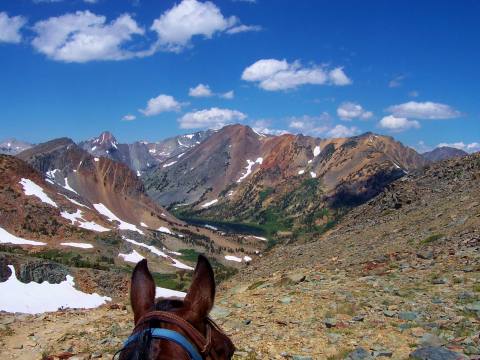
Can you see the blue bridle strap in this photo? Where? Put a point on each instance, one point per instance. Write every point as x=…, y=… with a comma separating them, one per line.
x=165, y=334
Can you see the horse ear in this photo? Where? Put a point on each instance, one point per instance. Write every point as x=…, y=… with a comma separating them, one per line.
x=201, y=295
x=142, y=290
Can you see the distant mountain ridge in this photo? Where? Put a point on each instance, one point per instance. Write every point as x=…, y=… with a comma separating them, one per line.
x=240, y=175
x=443, y=153
x=140, y=156
x=13, y=146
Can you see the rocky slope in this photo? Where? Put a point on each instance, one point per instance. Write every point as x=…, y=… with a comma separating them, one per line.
x=443, y=153
x=398, y=277
x=114, y=192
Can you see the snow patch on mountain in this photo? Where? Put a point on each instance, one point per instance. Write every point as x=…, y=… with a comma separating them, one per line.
x=249, y=167
x=32, y=189
x=77, y=245
x=47, y=297
x=7, y=238
x=77, y=218
x=210, y=203
x=102, y=209
x=133, y=257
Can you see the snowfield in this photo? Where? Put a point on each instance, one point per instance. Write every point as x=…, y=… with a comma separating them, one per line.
x=233, y=258
x=169, y=164
x=301, y=172
x=133, y=257
x=102, y=209
x=74, y=201
x=316, y=151
x=7, y=238
x=34, y=298
x=165, y=230
x=78, y=245
x=313, y=175
x=160, y=253
x=30, y=188
x=249, y=167
x=68, y=187
x=210, y=203
x=76, y=217
x=167, y=293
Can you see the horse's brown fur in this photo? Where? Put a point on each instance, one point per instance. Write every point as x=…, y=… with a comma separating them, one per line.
x=194, y=308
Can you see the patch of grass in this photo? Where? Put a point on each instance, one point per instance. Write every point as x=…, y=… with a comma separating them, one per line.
x=170, y=281
x=69, y=258
x=431, y=239
x=189, y=255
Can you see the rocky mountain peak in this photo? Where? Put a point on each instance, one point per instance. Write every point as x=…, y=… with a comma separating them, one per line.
x=12, y=146
x=443, y=153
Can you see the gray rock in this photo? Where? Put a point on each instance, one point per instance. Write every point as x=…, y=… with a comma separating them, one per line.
x=330, y=322
x=432, y=340
x=359, y=354
x=407, y=315
x=439, y=281
x=389, y=313
x=425, y=255
x=435, y=353
x=219, y=312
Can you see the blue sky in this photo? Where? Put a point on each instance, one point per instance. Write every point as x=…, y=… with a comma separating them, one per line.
x=325, y=68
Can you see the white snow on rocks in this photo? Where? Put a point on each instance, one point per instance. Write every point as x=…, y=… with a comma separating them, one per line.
x=165, y=230
x=139, y=173
x=233, y=258
x=167, y=293
x=102, y=209
x=96, y=159
x=68, y=187
x=210, y=203
x=133, y=257
x=74, y=201
x=160, y=253
x=301, y=172
x=7, y=238
x=316, y=151
x=77, y=245
x=313, y=174
x=249, y=167
x=34, y=298
x=247, y=258
x=210, y=227
x=77, y=217
x=260, y=238
x=30, y=188
x=169, y=164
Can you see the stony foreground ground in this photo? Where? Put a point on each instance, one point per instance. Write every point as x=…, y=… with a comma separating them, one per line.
x=310, y=313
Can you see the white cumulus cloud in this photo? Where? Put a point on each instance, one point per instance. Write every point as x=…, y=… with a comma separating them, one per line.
x=243, y=28
x=228, y=95
x=200, y=90
x=10, y=27
x=349, y=111
x=213, y=118
x=340, y=131
x=274, y=75
x=161, y=103
x=311, y=125
x=397, y=124
x=129, y=117
x=424, y=110
x=177, y=26
x=83, y=36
